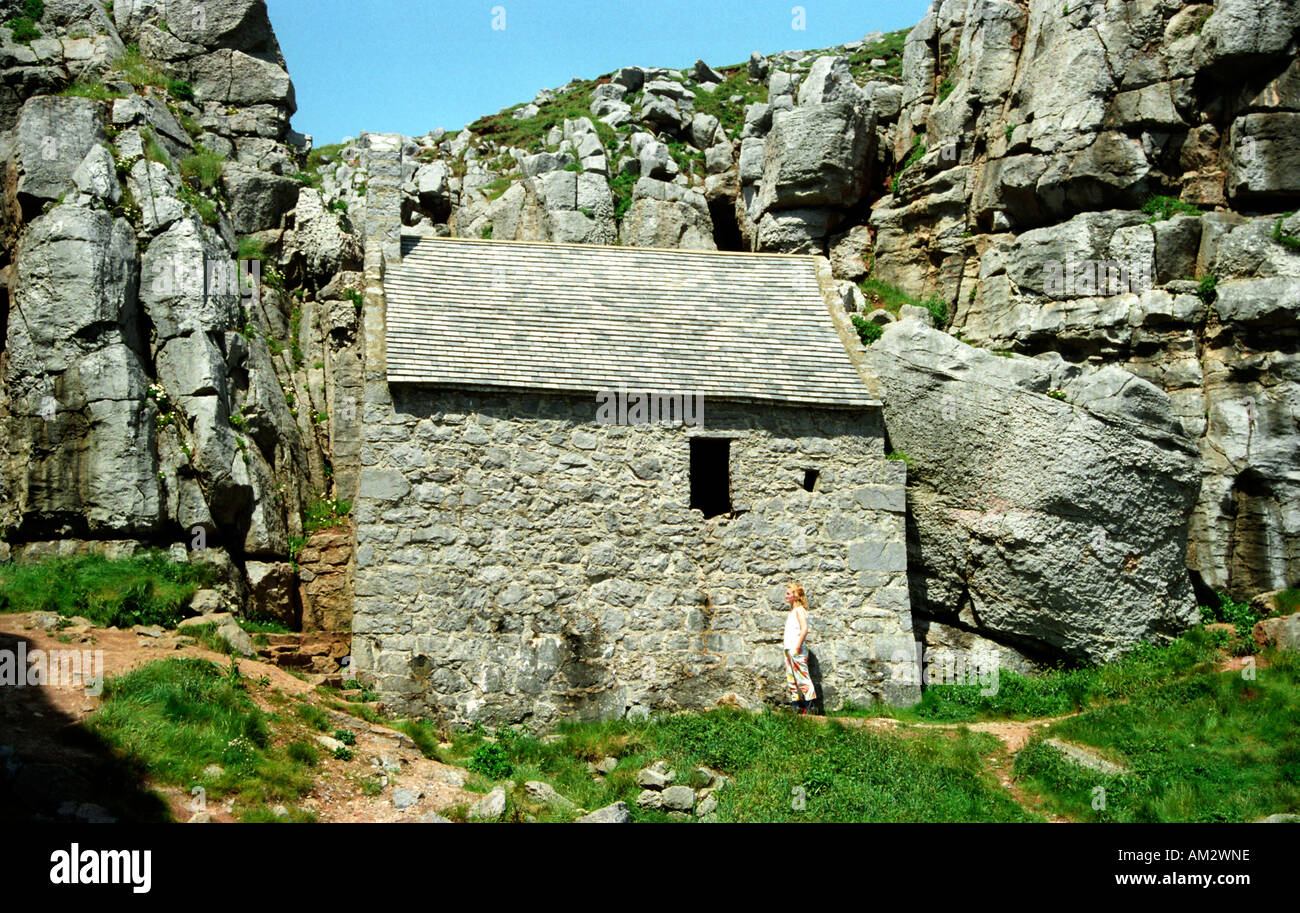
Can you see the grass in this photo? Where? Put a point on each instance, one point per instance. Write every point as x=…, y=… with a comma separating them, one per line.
x=202, y=169
x=892, y=298
x=251, y=249
x=1215, y=747
x=621, y=187
x=173, y=718
x=888, y=49
x=901, y=457
x=731, y=115
x=1063, y=690
x=1288, y=602
x=90, y=89
x=772, y=761
x=153, y=150
x=530, y=132
x=148, y=588
x=1160, y=208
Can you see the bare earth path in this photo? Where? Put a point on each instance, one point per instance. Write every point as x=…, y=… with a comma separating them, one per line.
x=41, y=726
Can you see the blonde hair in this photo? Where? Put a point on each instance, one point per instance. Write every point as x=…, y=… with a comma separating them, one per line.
x=799, y=595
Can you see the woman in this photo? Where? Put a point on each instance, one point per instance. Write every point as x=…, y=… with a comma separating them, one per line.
x=802, y=692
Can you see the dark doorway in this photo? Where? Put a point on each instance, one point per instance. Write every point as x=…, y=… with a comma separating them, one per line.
x=711, y=475
x=726, y=230
x=810, y=479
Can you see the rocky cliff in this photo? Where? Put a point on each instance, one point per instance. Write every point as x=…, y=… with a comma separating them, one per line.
x=170, y=358
x=1099, y=195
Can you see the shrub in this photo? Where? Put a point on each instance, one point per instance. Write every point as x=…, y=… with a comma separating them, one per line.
x=207, y=209
x=23, y=29
x=180, y=90
x=492, y=761
x=938, y=310
x=1206, y=288
x=917, y=153
x=868, y=332
x=1161, y=208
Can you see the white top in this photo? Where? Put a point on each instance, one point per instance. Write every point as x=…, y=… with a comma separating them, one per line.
x=792, y=628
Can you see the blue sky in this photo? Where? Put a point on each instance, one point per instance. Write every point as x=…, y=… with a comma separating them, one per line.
x=411, y=65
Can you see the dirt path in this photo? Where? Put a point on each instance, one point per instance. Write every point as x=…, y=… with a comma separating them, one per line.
x=57, y=771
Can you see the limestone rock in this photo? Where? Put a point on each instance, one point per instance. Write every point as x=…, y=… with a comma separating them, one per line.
x=271, y=586
x=258, y=199
x=491, y=807
x=326, y=244
x=1025, y=506
x=97, y=175
x=54, y=134
x=546, y=794
x=1282, y=632
x=817, y=156
x=618, y=813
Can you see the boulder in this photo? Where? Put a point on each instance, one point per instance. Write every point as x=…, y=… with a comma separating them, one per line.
x=618, y=813
x=80, y=430
x=666, y=215
x=678, y=799
x=1265, y=156
x=795, y=231
x=1059, y=524
x=817, y=156
x=258, y=199
x=271, y=586
x=173, y=289
x=546, y=794
x=1282, y=632
x=235, y=78
x=491, y=807
x=240, y=24
x=657, y=776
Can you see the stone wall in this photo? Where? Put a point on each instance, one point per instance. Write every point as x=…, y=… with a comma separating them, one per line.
x=518, y=562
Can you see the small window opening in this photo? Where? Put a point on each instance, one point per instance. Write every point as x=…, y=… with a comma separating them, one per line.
x=810, y=479
x=711, y=475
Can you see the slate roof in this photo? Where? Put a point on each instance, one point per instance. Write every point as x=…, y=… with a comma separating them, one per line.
x=578, y=318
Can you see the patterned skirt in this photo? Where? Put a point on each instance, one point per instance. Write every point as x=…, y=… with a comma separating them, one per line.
x=797, y=679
